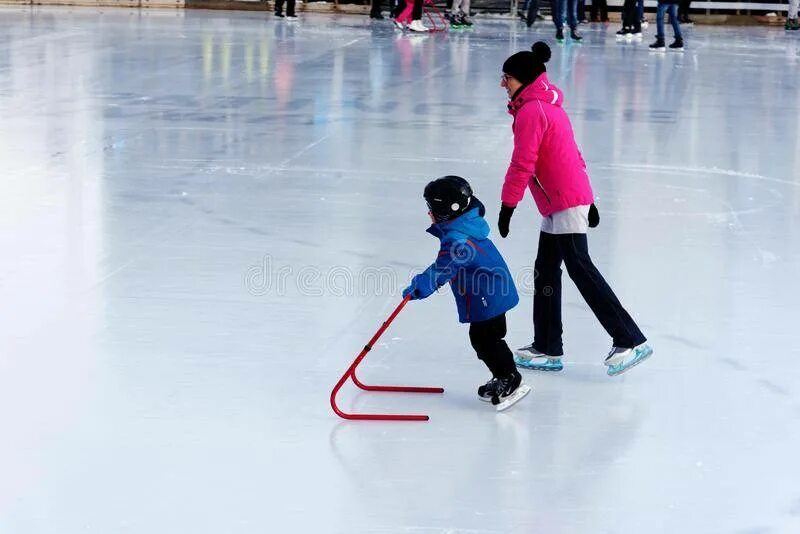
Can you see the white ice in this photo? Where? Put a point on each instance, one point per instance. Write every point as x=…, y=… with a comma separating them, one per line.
x=191, y=207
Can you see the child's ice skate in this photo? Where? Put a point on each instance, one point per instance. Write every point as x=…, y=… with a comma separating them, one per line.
x=620, y=360
x=486, y=391
x=508, y=391
x=530, y=358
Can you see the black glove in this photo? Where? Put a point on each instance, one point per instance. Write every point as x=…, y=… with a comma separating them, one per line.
x=504, y=220
x=594, y=216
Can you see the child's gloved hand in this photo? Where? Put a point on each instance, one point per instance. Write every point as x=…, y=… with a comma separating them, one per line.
x=421, y=287
x=504, y=220
x=410, y=290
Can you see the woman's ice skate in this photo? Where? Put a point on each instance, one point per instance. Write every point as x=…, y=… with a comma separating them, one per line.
x=620, y=360
x=530, y=358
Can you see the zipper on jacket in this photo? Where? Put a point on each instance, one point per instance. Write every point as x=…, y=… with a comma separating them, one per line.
x=539, y=185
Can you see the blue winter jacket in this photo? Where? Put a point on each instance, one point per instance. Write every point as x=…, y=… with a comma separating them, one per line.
x=482, y=284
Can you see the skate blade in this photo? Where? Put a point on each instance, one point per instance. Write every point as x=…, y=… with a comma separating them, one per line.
x=616, y=372
x=485, y=399
x=514, y=398
x=539, y=367
x=523, y=363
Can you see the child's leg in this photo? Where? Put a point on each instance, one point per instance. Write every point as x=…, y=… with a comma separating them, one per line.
x=547, y=327
x=487, y=340
x=597, y=293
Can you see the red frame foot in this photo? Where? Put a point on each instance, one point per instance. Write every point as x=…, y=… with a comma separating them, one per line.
x=351, y=373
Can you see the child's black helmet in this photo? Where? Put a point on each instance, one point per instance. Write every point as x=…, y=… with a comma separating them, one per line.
x=448, y=197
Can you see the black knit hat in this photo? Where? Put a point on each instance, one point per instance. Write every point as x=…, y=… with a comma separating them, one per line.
x=527, y=66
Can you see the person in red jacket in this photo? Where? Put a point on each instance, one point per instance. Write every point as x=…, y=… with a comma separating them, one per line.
x=546, y=161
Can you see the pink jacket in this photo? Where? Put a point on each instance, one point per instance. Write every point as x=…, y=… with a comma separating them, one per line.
x=546, y=158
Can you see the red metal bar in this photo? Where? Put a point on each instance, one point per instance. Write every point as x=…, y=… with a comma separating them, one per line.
x=442, y=26
x=351, y=373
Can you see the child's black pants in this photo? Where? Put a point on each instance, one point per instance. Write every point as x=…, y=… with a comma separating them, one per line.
x=487, y=340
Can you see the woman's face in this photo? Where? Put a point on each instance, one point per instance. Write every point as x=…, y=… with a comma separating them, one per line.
x=510, y=84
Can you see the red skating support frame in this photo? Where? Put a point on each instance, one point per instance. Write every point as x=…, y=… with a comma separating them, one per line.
x=351, y=373
x=434, y=27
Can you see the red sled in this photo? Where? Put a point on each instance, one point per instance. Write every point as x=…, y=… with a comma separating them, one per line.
x=351, y=373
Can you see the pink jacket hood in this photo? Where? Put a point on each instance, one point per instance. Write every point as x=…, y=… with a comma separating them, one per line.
x=546, y=158
x=540, y=89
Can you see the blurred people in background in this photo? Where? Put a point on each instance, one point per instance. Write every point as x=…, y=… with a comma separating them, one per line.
x=410, y=16
x=663, y=7
x=289, y=9
x=791, y=17
x=375, y=10
x=631, y=23
x=683, y=12
x=599, y=11
x=566, y=9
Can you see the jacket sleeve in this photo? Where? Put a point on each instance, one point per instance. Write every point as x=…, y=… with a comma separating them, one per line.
x=437, y=274
x=529, y=129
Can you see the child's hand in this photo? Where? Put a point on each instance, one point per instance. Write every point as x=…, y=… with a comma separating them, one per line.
x=410, y=290
x=421, y=287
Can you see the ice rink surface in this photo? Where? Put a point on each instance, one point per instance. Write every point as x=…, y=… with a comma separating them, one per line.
x=205, y=215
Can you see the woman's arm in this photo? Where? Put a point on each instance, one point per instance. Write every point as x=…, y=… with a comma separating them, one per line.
x=529, y=128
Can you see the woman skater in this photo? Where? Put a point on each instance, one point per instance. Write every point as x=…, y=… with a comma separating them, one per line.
x=547, y=161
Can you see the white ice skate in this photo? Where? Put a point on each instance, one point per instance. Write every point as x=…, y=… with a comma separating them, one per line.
x=530, y=358
x=620, y=360
x=417, y=26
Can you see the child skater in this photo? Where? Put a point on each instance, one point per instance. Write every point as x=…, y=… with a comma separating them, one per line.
x=481, y=282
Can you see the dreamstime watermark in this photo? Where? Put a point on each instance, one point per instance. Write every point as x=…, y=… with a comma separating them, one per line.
x=269, y=278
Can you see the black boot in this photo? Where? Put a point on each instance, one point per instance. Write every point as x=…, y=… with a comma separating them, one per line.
x=677, y=44
x=489, y=390
x=506, y=386
x=560, y=35
x=659, y=44
x=574, y=35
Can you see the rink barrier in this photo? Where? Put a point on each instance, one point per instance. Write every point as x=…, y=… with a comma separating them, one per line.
x=351, y=374
x=705, y=12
